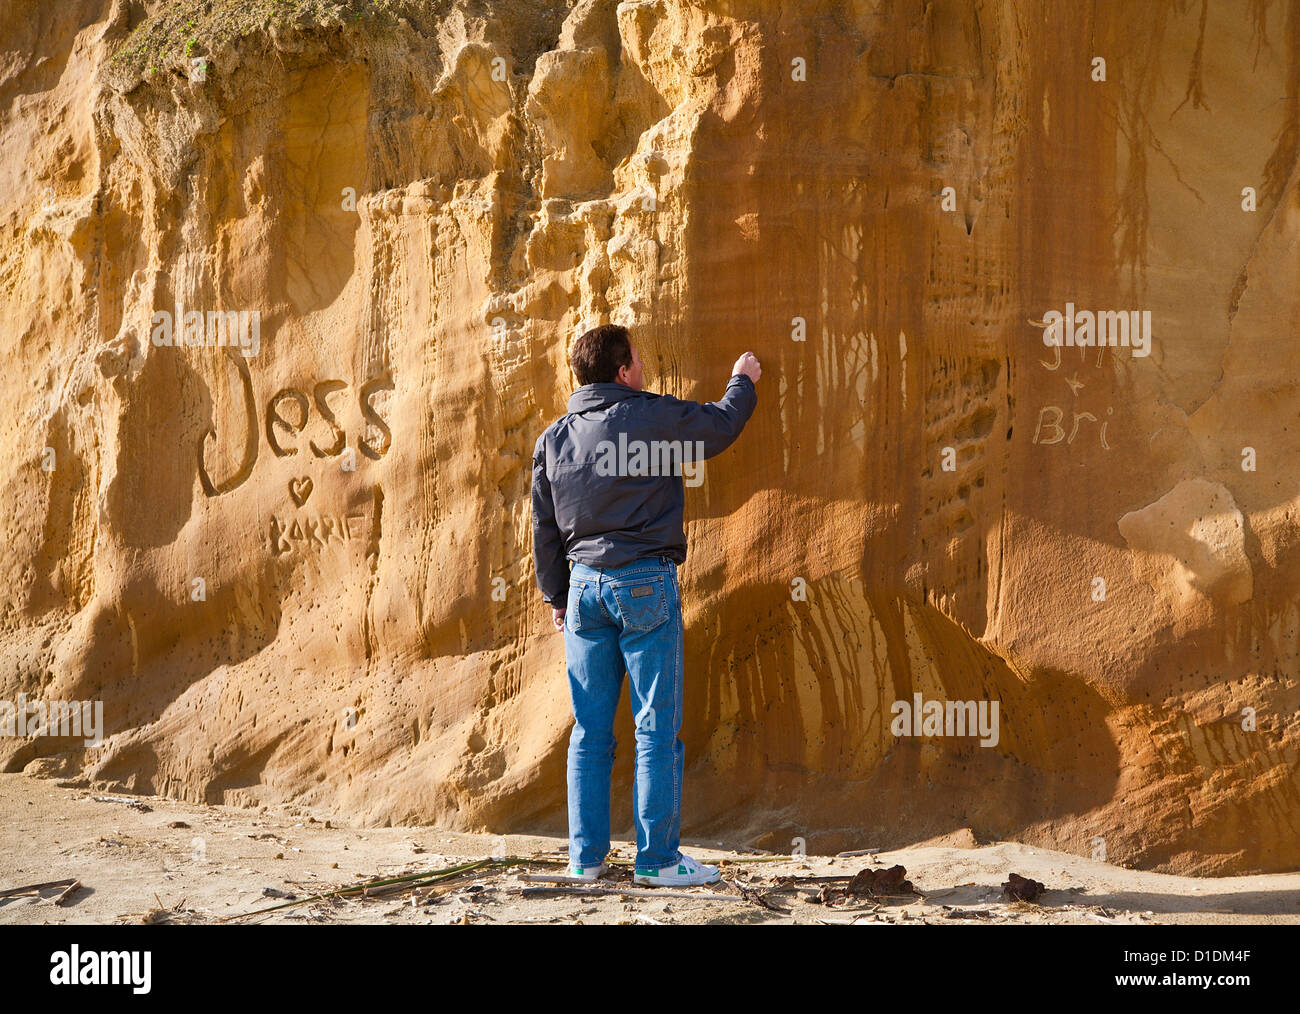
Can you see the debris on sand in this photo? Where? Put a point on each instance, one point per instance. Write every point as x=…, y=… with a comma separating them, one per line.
x=15, y=892
x=72, y=888
x=889, y=881
x=134, y=804
x=758, y=896
x=868, y=883
x=162, y=914
x=1019, y=888
x=387, y=886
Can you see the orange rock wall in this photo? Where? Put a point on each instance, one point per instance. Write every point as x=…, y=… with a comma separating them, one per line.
x=305, y=573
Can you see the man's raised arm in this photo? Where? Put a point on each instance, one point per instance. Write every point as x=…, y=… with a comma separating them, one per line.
x=716, y=424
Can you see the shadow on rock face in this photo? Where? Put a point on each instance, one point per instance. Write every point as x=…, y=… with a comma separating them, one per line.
x=150, y=497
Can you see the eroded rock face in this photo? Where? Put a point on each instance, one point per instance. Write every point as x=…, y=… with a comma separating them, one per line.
x=304, y=573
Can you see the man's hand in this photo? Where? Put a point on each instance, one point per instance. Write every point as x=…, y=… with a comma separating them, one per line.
x=557, y=617
x=748, y=365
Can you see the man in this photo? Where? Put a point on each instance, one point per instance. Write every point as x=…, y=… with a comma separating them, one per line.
x=608, y=494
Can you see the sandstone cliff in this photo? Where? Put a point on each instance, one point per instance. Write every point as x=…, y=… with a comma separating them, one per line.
x=304, y=572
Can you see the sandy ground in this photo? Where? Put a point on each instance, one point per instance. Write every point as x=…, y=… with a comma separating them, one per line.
x=148, y=859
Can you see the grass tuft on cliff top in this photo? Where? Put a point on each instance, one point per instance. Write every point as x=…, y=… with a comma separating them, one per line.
x=186, y=29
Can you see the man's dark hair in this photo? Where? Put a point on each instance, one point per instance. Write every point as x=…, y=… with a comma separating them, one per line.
x=598, y=354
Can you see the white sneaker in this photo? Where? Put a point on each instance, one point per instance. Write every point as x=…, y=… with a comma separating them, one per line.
x=587, y=872
x=686, y=872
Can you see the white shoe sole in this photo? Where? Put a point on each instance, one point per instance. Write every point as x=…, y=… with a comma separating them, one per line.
x=676, y=881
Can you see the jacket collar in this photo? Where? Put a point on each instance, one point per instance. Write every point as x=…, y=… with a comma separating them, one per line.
x=591, y=396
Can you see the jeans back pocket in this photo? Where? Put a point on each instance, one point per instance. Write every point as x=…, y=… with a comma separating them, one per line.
x=573, y=615
x=642, y=602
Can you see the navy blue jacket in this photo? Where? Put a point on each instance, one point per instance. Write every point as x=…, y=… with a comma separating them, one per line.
x=603, y=491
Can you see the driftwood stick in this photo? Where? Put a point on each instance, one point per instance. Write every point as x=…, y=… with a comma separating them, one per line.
x=62, y=898
x=135, y=804
x=36, y=887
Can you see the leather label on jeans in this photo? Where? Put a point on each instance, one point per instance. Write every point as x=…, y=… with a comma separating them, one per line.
x=645, y=589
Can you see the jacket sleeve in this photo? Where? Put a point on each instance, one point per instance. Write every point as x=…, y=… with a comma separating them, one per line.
x=548, y=543
x=716, y=424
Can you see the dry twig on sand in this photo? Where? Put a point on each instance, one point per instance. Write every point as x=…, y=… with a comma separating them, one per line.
x=36, y=888
x=372, y=888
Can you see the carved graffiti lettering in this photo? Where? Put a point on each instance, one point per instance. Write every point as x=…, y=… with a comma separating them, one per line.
x=287, y=415
x=315, y=534
x=245, y=469
x=381, y=383
x=1049, y=429
x=1075, y=430
x=274, y=419
x=1055, y=424
x=326, y=387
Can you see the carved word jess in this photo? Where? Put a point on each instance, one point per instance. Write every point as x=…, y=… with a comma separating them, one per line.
x=287, y=414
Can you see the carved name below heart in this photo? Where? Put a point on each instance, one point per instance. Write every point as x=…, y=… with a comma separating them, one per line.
x=300, y=489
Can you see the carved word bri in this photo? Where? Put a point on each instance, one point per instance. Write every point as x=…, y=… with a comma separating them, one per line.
x=286, y=415
x=1059, y=434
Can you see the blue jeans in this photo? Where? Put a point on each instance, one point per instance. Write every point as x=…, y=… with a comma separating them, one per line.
x=625, y=617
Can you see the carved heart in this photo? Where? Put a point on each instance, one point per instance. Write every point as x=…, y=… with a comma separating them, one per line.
x=300, y=489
